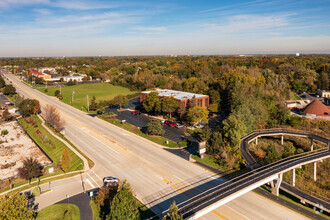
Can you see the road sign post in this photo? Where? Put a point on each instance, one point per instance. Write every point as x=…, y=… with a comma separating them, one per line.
x=202, y=149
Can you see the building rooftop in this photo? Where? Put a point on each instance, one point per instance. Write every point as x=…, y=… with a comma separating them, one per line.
x=176, y=94
x=316, y=108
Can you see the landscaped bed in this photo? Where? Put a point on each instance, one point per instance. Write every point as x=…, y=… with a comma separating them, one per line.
x=48, y=143
x=59, y=211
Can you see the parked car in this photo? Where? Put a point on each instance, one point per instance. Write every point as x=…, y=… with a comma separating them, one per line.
x=179, y=126
x=162, y=121
x=136, y=112
x=110, y=179
x=172, y=124
x=167, y=122
x=201, y=125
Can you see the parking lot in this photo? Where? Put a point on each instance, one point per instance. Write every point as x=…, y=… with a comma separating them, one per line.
x=4, y=100
x=171, y=133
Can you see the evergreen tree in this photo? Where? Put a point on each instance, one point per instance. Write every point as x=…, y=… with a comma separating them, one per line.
x=155, y=127
x=124, y=205
x=173, y=214
x=272, y=154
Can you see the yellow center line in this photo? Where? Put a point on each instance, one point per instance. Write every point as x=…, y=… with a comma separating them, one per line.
x=218, y=214
x=182, y=191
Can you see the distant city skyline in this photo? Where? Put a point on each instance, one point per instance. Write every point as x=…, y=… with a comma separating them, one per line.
x=41, y=28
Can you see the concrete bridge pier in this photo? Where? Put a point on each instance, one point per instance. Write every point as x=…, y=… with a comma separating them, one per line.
x=293, y=177
x=312, y=147
x=276, y=184
x=282, y=140
x=256, y=140
x=314, y=173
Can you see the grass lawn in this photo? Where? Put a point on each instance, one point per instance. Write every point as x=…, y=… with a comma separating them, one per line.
x=135, y=130
x=102, y=91
x=50, y=145
x=212, y=162
x=296, y=97
x=59, y=211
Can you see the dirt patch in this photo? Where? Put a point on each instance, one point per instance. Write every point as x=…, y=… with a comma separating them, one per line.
x=15, y=146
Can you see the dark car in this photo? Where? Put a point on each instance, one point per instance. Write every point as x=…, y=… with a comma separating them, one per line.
x=136, y=112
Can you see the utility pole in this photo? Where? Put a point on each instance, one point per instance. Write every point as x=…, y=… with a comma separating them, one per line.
x=87, y=103
x=60, y=89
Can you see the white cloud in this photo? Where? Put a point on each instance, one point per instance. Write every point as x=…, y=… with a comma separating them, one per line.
x=82, y=5
x=152, y=29
x=43, y=11
x=16, y=3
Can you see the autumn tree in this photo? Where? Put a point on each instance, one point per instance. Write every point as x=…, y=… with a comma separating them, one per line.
x=197, y=114
x=169, y=105
x=124, y=204
x=36, y=107
x=2, y=82
x=104, y=198
x=5, y=115
x=66, y=159
x=31, y=169
x=15, y=206
x=173, y=213
x=53, y=118
x=150, y=101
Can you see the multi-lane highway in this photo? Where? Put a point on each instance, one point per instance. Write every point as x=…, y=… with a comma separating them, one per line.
x=156, y=176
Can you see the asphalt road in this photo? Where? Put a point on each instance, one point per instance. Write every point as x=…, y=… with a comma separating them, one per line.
x=156, y=176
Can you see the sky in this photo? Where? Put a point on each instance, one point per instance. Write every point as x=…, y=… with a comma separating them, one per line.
x=40, y=28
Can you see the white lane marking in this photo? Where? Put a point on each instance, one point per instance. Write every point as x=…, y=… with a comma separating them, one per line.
x=124, y=134
x=96, y=175
x=92, y=179
x=237, y=212
x=89, y=182
x=215, y=178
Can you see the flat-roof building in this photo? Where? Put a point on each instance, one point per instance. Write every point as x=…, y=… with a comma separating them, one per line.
x=323, y=93
x=182, y=97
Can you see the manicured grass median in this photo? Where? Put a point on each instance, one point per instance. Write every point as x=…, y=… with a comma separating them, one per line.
x=102, y=91
x=135, y=130
x=49, y=144
x=59, y=211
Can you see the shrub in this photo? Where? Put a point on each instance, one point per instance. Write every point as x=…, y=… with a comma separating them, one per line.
x=57, y=92
x=4, y=132
x=155, y=127
x=299, y=151
x=46, y=90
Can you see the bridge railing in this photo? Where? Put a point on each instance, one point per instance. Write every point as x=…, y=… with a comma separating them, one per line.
x=234, y=180
x=270, y=168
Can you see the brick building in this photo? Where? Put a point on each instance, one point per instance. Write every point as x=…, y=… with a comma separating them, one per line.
x=182, y=97
x=39, y=75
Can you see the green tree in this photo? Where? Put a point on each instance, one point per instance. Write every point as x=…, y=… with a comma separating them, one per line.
x=289, y=149
x=216, y=143
x=104, y=198
x=28, y=107
x=206, y=133
x=31, y=169
x=173, y=213
x=66, y=159
x=2, y=82
x=15, y=206
x=9, y=89
x=71, y=83
x=93, y=105
x=5, y=115
x=272, y=154
x=150, y=101
x=154, y=127
x=124, y=204
x=57, y=92
x=119, y=100
x=197, y=114
x=169, y=105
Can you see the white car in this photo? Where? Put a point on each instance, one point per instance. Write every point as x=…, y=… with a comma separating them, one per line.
x=162, y=121
x=110, y=179
x=179, y=126
x=201, y=125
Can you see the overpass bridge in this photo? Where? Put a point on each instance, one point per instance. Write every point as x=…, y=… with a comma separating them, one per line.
x=223, y=193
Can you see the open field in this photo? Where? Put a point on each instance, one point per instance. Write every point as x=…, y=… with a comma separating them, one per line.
x=49, y=144
x=59, y=211
x=102, y=91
